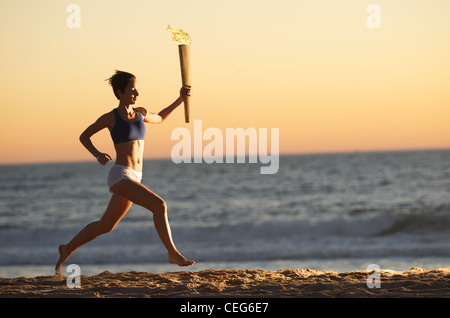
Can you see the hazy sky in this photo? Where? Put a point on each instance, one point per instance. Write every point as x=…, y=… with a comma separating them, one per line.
x=313, y=69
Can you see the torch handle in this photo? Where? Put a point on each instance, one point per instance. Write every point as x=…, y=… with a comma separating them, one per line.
x=184, y=52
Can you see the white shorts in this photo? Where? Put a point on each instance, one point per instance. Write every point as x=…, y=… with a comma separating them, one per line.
x=119, y=172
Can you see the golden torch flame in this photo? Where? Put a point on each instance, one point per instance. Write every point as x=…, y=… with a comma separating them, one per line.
x=179, y=36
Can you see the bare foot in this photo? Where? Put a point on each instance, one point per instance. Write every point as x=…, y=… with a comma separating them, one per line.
x=62, y=257
x=180, y=260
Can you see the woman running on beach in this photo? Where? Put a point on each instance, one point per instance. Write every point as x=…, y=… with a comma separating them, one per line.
x=126, y=125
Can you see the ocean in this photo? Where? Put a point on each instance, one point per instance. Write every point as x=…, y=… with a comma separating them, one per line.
x=339, y=212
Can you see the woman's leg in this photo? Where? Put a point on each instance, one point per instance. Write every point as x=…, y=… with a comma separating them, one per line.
x=141, y=195
x=117, y=208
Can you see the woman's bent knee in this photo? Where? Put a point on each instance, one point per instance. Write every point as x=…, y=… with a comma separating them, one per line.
x=159, y=207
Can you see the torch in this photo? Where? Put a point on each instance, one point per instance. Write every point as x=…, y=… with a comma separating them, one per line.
x=183, y=41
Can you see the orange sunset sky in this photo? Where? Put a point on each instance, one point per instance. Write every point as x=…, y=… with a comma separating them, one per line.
x=313, y=69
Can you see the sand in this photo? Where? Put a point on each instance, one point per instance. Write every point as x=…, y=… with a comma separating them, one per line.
x=293, y=283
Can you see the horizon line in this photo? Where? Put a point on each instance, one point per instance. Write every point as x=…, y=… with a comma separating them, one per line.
x=325, y=152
